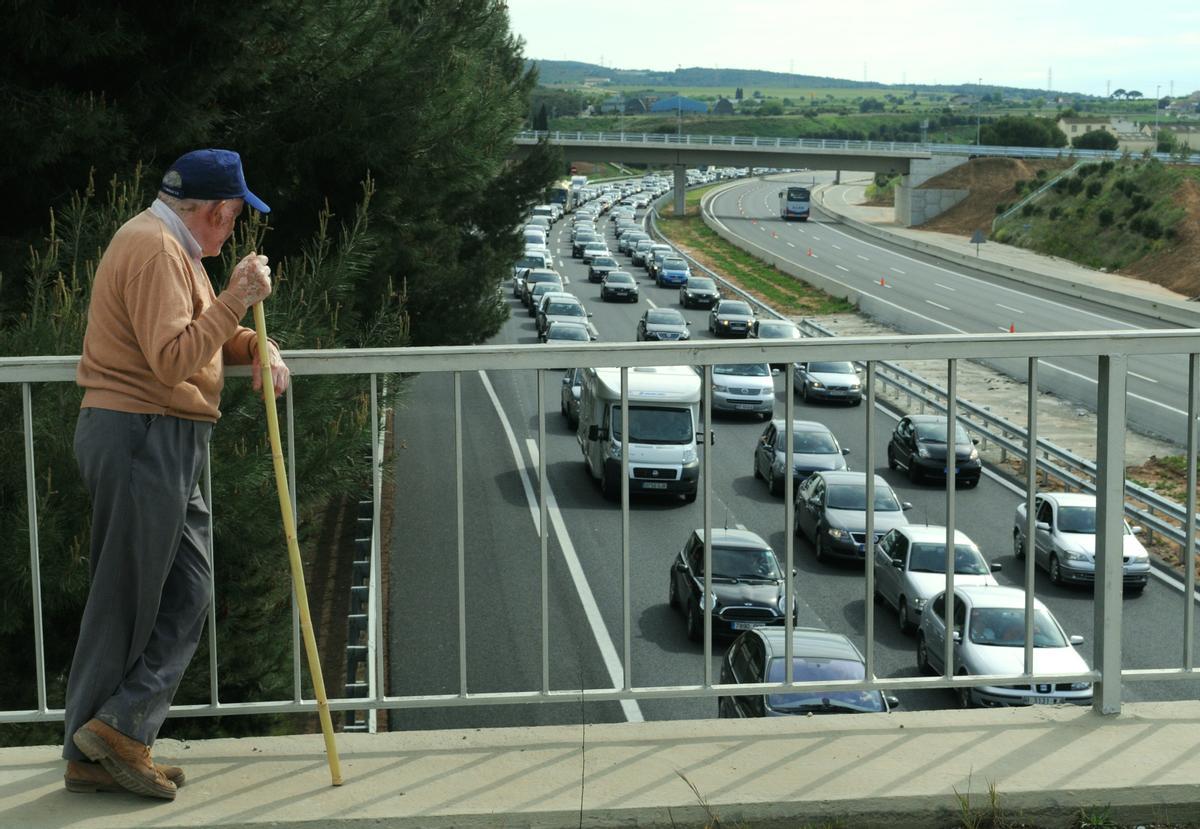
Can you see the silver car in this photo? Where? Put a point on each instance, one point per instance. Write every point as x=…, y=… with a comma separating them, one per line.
x=828, y=380
x=910, y=568
x=572, y=387
x=744, y=387
x=1065, y=541
x=989, y=638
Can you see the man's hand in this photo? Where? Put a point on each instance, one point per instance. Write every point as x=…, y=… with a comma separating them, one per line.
x=251, y=279
x=280, y=376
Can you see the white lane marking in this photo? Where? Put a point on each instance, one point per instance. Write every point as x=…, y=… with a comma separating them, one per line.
x=836, y=247
x=1127, y=392
x=650, y=302
x=608, y=651
x=1009, y=308
x=790, y=245
x=1002, y=328
x=800, y=230
x=842, y=267
x=818, y=238
x=897, y=270
x=936, y=305
x=567, y=281
x=865, y=259
x=1142, y=377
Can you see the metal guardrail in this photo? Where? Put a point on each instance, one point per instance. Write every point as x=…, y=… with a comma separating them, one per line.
x=1159, y=514
x=827, y=144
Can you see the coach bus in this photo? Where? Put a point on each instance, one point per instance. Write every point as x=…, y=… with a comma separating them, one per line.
x=560, y=193
x=794, y=203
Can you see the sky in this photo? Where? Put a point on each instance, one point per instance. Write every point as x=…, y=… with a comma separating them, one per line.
x=1089, y=47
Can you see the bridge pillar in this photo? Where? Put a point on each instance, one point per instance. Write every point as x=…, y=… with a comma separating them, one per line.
x=680, y=189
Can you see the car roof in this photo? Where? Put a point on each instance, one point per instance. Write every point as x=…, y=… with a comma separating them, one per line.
x=993, y=595
x=845, y=476
x=1070, y=499
x=812, y=642
x=733, y=538
x=801, y=425
x=932, y=534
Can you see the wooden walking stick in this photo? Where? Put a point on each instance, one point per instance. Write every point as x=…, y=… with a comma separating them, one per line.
x=289, y=529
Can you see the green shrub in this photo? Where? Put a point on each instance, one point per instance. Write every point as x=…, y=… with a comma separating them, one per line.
x=1094, y=187
x=1027, y=210
x=1000, y=208
x=1151, y=228
x=1106, y=167
x=1074, y=185
x=1105, y=217
x=1056, y=213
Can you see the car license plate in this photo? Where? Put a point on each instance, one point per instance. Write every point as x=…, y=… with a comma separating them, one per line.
x=655, y=485
x=1043, y=700
x=746, y=625
x=742, y=406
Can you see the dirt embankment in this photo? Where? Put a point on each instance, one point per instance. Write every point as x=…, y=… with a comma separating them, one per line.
x=991, y=181
x=1177, y=268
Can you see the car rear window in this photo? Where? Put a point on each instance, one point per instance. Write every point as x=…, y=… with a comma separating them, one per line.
x=854, y=497
x=735, y=308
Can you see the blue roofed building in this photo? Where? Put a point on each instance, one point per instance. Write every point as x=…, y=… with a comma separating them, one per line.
x=679, y=103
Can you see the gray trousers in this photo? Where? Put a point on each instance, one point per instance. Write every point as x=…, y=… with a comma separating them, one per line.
x=151, y=577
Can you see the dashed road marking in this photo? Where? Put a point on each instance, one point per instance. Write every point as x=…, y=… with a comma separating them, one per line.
x=943, y=287
x=936, y=305
x=1010, y=308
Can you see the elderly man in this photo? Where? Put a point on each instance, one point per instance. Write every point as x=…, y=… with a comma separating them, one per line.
x=158, y=337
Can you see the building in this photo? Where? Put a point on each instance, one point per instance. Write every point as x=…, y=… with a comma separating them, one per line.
x=678, y=103
x=723, y=106
x=1129, y=136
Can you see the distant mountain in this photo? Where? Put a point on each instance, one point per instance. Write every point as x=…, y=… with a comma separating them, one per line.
x=570, y=72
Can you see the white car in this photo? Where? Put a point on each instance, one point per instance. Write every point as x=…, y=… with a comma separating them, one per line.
x=1065, y=540
x=989, y=638
x=910, y=568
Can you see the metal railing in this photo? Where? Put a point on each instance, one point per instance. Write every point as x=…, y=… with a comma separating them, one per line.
x=904, y=148
x=1112, y=349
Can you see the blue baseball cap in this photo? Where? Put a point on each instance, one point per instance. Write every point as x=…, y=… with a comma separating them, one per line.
x=210, y=175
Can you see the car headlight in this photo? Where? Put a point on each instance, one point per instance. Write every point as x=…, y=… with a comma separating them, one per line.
x=1074, y=555
x=837, y=533
x=1142, y=556
x=922, y=451
x=974, y=456
x=719, y=389
x=1080, y=686
x=815, y=384
x=919, y=603
x=724, y=322
x=690, y=456
x=855, y=386
x=713, y=598
x=614, y=449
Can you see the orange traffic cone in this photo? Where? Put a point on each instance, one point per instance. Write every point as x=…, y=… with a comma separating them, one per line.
x=773, y=235
x=882, y=282
x=1012, y=328
x=810, y=251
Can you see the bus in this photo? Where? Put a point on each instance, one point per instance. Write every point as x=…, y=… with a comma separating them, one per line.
x=794, y=203
x=560, y=193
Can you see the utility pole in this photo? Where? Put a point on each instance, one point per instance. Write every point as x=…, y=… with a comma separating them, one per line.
x=978, y=107
x=1157, y=89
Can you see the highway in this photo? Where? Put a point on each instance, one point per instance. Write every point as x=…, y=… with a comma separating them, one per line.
x=503, y=585
x=922, y=295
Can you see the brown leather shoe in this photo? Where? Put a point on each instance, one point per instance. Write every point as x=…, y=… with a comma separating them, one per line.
x=93, y=777
x=127, y=760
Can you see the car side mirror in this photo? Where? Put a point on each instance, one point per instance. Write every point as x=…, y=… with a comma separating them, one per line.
x=906, y=505
x=687, y=322
x=845, y=451
x=893, y=702
x=996, y=567
x=589, y=313
x=1042, y=525
x=774, y=372
x=957, y=636
x=1075, y=640
x=898, y=563
x=975, y=441
x=596, y=433
x=1136, y=530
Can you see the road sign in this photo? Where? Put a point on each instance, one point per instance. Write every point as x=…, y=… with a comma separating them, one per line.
x=978, y=238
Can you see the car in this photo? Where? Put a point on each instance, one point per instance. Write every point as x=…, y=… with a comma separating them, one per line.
x=534, y=236
x=730, y=318
x=655, y=258
x=535, y=294
x=743, y=387
x=563, y=332
x=827, y=380
x=1065, y=540
x=554, y=307
x=572, y=387
x=760, y=655
x=641, y=249
x=540, y=222
x=989, y=638
x=814, y=448
x=918, y=445
x=663, y=324
x=601, y=265
x=831, y=512
x=775, y=330
x=674, y=270
x=699, y=291
x=582, y=240
x=618, y=285
x=533, y=277
x=747, y=583
x=593, y=250
x=627, y=241
x=910, y=568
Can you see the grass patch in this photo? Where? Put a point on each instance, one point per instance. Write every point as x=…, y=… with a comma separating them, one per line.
x=783, y=292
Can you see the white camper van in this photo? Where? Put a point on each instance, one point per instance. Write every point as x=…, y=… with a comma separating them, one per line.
x=664, y=404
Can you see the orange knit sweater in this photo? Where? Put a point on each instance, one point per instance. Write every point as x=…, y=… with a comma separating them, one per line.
x=157, y=334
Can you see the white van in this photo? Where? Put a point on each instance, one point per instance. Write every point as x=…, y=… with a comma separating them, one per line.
x=664, y=406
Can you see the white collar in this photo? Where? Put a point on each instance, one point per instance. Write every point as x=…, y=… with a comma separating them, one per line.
x=178, y=229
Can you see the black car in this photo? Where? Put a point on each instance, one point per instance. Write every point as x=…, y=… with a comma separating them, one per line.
x=699, y=292
x=663, y=324
x=599, y=266
x=814, y=448
x=618, y=285
x=831, y=511
x=581, y=240
x=760, y=655
x=747, y=583
x=918, y=445
x=730, y=318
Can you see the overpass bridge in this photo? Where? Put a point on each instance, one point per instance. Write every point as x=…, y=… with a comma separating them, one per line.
x=683, y=151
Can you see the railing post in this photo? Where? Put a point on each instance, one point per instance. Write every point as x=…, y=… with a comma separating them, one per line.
x=1110, y=511
x=35, y=574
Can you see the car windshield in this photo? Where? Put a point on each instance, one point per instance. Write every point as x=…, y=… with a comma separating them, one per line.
x=619, y=276
x=744, y=369
x=854, y=497
x=735, y=308
x=585, y=236
x=934, y=431
x=530, y=262
x=831, y=368
x=701, y=283
x=814, y=669
x=536, y=277
x=1005, y=627
x=744, y=563
x=565, y=309
x=653, y=424
x=1077, y=520
x=665, y=316
x=778, y=330
x=568, y=332
x=604, y=262
x=814, y=443
x=674, y=264
x=931, y=558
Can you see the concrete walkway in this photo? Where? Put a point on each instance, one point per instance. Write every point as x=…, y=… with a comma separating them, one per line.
x=1062, y=275
x=896, y=770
